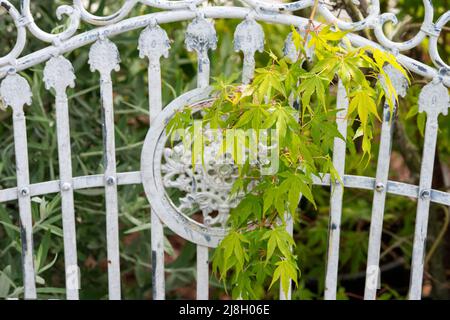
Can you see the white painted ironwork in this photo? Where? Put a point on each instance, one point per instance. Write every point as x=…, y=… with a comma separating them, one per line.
x=159, y=163
x=104, y=58
x=373, y=276
x=433, y=100
x=58, y=75
x=154, y=43
x=16, y=93
x=337, y=193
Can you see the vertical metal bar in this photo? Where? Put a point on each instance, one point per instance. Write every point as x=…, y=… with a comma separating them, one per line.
x=201, y=37
x=16, y=92
x=104, y=57
x=433, y=99
x=59, y=74
x=202, y=272
x=337, y=193
x=112, y=212
x=202, y=251
x=290, y=230
x=203, y=69
x=154, y=43
x=378, y=203
x=379, y=197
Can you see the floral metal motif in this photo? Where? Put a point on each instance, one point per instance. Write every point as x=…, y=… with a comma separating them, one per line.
x=15, y=92
x=260, y=10
x=201, y=36
x=104, y=57
x=59, y=74
x=434, y=99
x=154, y=42
x=207, y=187
x=249, y=37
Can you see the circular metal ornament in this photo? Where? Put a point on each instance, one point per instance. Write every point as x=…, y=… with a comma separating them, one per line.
x=155, y=182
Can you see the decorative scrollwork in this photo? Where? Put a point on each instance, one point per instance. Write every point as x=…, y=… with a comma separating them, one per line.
x=21, y=33
x=206, y=187
x=164, y=167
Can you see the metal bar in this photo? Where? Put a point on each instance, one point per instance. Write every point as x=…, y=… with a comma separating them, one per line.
x=201, y=37
x=154, y=43
x=290, y=230
x=134, y=177
x=423, y=208
x=379, y=198
x=157, y=235
x=337, y=193
x=16, y=92
x=104, y=57
x=433, y=99
x=67, y=201
x=378, y=204
x=202, y=251
x=26, y=223
x=202, y=272
x=203, y=69
x=111, y=201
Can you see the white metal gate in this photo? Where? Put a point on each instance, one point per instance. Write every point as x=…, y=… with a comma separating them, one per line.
x=201, y=37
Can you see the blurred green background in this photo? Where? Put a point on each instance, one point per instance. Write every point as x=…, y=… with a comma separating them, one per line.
x=131, y=111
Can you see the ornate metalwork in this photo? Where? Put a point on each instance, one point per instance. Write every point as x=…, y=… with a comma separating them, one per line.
x=261, y=10
x=164, y=167
x=204, y=189
x=207, y=188
x=434, y=99
x=15, y=92
x=248, y=38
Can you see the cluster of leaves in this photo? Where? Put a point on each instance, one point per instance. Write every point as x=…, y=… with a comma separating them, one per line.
x=292, y=98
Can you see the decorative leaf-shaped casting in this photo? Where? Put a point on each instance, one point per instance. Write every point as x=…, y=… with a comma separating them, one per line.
x=59, y=74
x=201, y=36
x=154, y=42
x=398, y=80
x=15, y=92
x=104, y=57
x=434, y=99
x=248, y=38
x=258, y=9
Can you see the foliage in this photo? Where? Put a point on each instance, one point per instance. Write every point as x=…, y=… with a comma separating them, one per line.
x=258, y=247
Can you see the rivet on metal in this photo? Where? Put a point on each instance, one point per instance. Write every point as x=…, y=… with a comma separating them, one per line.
x=379, y=187
x=66, y=186
x=24, y=192
x=425, y=194
x=110, y=181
